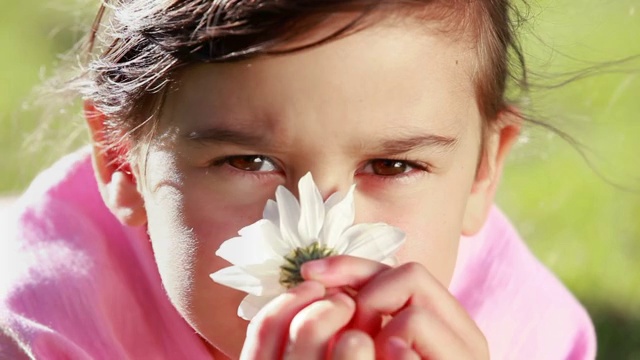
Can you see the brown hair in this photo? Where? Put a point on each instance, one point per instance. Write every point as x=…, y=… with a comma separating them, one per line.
x=145, y=43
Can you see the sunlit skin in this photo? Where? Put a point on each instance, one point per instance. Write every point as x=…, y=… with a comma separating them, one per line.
x=391, y=108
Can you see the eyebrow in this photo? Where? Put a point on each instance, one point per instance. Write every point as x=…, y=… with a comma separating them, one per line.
x=227, y=136
x=397, y=146
x=386, y=146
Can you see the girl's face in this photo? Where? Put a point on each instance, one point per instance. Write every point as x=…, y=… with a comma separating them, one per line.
x=391, y=108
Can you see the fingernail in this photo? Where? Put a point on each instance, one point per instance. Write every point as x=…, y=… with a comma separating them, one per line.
x=307, y=286
x=395, y=343
x=343, y=298
x=313, y=269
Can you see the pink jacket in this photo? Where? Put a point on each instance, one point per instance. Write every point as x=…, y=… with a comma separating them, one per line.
x=76, y=284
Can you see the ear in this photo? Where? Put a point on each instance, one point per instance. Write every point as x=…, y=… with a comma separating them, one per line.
x=116, y=182
x=497, y=145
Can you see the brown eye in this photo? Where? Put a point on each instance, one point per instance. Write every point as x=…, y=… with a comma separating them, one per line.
x=251, y=163
x=387, y=167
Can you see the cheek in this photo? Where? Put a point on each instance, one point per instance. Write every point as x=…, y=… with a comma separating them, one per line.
x=432, y=233
x=187, y=223
x=431, y=215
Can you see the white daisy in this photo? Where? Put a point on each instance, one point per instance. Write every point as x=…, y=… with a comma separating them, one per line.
x=267, y=255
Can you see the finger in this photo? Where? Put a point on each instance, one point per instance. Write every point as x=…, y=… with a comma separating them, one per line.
x=410, y=284
x=389, y=290
x=397, y=348
x=268, y=330
x=425, y=334
x=314, y=326
x=354, y=345
x=346, y=273
x=342, y=270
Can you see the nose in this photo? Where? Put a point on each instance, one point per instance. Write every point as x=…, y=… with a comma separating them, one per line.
x=328, y=182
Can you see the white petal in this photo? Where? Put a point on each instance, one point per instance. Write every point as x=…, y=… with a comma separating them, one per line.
x=339, y=218
x=391, y=261
x=289, y=211
x=311, y=210
x=333, y=200
x=236, y=278
x=241, y=279
x=372, y=241
x=256, y=244
x=268, y=233
x=251, y=305
x=270, y=212
x=269, y=275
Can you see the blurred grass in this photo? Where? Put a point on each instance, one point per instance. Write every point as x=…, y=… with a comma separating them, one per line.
x=585, y=230
x=32, y=36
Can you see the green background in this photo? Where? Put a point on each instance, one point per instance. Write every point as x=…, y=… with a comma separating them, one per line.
x=584, y=228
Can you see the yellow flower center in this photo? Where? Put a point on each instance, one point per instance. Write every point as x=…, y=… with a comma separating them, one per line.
x=290, y=272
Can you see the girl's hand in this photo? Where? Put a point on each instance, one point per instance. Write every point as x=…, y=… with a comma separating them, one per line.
x=302, y=324
x=424, y=316
x=306, y=323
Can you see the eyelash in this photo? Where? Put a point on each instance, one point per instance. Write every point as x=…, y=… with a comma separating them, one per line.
x=413, y=165
x=416, y=168
x=224, y=162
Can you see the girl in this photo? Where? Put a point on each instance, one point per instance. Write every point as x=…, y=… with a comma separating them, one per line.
x=200, y=109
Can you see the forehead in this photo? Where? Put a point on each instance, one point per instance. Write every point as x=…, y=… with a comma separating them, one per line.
x=383, y=76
